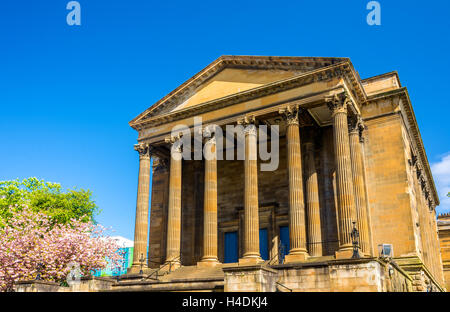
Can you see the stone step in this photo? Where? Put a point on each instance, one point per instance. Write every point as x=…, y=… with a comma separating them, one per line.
x=194, y=273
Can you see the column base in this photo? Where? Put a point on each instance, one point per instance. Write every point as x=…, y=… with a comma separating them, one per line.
x=250, y=260
x=300, y=257
x=170, y=266
x=134, y=269
x=208, y=263
x=346, y=254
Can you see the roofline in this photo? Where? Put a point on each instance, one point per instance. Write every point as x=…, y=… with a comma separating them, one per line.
x=342, y=69
x=395, y=73
x=253, y=59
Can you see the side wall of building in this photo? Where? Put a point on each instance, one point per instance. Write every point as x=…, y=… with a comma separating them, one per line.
x=392, y=221
x=425, y=218
x=399, y=212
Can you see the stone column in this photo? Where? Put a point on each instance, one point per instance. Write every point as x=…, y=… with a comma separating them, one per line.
x=173, y=249
x=209, y=257
x=251, y=205
x=344, y=182
x=312, y=201
x=142, y=203
x=356, y=154
x=297, y=230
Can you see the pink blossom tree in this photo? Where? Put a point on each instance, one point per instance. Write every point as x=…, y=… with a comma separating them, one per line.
x=30, y=243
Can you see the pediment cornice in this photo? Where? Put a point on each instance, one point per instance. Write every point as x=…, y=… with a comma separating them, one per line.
x=343, y=70
x=300, y=64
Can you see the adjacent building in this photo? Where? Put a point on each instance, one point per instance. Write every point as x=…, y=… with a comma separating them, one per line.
x=126, y=252
x=444, y=239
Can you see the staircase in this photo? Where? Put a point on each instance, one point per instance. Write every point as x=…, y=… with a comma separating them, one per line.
x=185, y=278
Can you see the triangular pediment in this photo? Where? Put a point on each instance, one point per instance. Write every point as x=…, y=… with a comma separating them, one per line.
x=230, y=75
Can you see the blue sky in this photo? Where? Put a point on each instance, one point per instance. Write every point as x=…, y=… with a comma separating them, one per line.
x=67, y=93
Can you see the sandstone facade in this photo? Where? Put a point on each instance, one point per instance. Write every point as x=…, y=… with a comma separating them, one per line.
x=350, y=157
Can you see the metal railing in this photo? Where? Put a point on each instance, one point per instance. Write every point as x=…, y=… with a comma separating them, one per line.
x=168, y=263
x=278, y=283
x=278, y=258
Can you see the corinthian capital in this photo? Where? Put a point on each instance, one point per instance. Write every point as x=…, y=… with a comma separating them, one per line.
x=290, y=114
x=144, y=150
x=356, y=125
x=210, y=139
x=176, y=143
x=209, y=135
x=247, y=120
x=249, y=123
x=338, y=103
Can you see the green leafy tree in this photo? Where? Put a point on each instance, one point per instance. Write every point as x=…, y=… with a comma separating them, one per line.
x=48, y=198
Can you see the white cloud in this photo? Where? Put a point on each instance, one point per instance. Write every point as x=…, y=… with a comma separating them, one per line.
x=441, y=174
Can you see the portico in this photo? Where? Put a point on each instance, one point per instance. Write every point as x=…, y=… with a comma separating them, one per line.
x=324, y=125
x=310, y=104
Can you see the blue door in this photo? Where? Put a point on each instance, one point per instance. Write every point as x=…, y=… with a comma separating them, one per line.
x=231, y=247
x=284, y=242
x=263, y=244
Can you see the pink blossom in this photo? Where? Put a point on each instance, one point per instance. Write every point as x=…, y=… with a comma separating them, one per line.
x=30, y=239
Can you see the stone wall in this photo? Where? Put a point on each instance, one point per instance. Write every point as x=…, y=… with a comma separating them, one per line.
x=363, y=275
x=392, y=221
x=256, y=278
x=88, y=284
x=399, y=213
x=367, y=275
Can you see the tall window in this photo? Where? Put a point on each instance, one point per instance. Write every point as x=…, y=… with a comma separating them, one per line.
x=263, y=244
x=284, y=242
x=231, y=247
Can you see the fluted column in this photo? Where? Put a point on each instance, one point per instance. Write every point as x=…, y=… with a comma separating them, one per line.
x=297, y=230
x=173, y=250
x=312, y=202
x=356, y=154
x=344, y=182
x=210, y=203
x=251, y=206
x=142, y=203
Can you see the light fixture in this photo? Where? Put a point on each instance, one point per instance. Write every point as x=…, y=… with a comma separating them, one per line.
x=141, y=260
x=385, y=251
x=355, y=242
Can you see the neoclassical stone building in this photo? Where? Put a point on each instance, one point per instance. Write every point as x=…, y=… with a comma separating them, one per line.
x=351, y=160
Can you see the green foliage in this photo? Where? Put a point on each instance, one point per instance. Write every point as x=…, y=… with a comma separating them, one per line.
x=46, y=197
